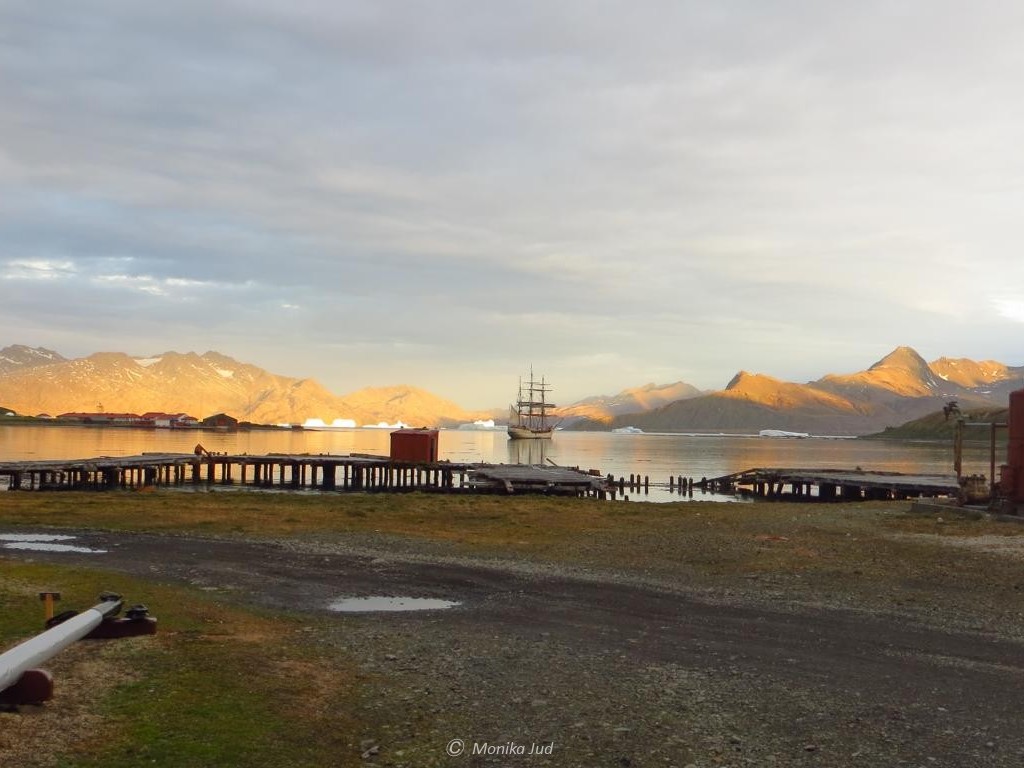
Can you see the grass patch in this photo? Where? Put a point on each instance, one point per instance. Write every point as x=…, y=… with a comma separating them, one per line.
x=874, y=554
x=216, y=686
x=693, y=539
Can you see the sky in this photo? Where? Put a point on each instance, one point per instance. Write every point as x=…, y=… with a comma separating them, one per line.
x=444, y=194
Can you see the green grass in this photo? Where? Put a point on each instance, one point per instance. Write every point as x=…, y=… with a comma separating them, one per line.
x=207, y=701
x=215, y=686
x=697, y=539
x=936, y=426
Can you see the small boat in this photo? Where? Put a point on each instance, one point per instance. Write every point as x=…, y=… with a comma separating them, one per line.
x=528, y=417
x=782, y=433
x=627, y=431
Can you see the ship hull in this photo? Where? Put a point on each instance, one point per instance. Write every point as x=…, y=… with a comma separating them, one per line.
x=525, y=433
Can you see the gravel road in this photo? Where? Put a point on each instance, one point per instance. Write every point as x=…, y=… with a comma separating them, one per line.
x=543, y=665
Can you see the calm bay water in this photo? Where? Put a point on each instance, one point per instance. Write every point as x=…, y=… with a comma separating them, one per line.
x=658, y=456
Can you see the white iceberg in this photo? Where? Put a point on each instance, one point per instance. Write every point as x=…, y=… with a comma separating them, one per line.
x=336, y=424
x=482, y=425
x=782, y=433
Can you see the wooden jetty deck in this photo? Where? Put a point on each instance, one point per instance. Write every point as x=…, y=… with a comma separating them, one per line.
x=322, y=472
x=831, y=484
x=528, y=478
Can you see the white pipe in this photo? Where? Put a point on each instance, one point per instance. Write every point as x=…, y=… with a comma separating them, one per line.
x=38, y=649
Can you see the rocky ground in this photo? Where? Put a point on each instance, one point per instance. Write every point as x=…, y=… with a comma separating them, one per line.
x=584, y=665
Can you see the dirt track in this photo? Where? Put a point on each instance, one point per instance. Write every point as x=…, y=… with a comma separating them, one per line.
x=605, y=672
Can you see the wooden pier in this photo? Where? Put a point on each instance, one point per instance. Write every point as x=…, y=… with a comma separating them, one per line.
x=320, y=472
x=831, y=485
x=369, y=473
x=528, y=478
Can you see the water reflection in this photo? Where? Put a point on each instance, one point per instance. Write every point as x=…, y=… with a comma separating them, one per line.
x=388, y=604
x=528, y=451
x=42, y=546
x=43, y=542
x=657, y=456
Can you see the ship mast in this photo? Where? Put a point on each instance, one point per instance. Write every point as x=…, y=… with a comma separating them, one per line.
x=529, y=414
x=535, y=407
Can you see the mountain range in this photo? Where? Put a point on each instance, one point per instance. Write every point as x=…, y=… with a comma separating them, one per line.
x=37, y=380
x=899, y=387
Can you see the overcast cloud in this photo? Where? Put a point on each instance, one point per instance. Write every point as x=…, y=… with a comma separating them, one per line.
x=444, y=193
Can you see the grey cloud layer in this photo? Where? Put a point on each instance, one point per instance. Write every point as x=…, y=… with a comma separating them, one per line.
x=619, y=192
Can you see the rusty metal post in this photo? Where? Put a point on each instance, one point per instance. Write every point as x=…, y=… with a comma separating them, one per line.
x=49, y=598
x=992, y=462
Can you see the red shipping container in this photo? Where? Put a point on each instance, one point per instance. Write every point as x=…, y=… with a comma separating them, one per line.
x=414, y=445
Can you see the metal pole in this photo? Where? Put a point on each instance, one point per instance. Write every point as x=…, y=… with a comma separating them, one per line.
x=958, y=449
x=38, y=649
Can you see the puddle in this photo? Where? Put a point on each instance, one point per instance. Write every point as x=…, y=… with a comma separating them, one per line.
x=43, y=542
x=42, y=546
x=34, y=537
x=375, y=604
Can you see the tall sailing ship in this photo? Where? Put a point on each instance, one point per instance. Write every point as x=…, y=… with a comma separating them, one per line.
x=528, y=418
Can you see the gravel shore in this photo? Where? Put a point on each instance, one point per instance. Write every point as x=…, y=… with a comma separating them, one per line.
x=817, y=638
